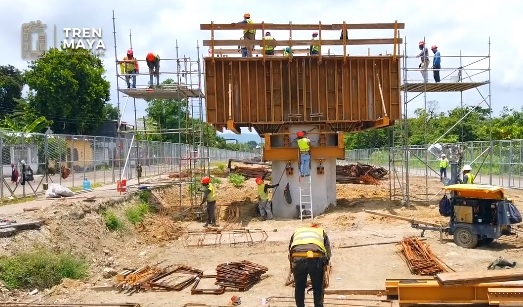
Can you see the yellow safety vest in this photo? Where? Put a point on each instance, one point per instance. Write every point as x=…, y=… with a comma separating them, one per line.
x=212, y=194
x=315, y=47
x=261, y=192
x=470, y=178
x=309, y=235
x=303, y=144
x=253, y=31
x=269, y=47
x=444, y=163
x=285, y=53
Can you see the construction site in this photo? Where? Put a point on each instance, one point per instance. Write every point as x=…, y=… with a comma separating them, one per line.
x=466, y=251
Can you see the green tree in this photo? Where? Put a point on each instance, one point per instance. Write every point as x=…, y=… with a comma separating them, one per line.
x=109, y=112
x=11, y=85
x=24, y=119
x=68, y=87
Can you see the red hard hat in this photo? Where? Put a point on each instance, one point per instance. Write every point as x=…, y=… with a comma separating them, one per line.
x=315, y=225
x=150, y=57
x=300, y=134
x=130, y=51
x=314, y=33
x=206, y=180
x=259, y=180
x=421, y=43
x=434, y=47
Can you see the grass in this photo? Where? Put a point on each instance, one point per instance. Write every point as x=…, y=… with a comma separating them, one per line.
x=112, y=221
x=237, y=180
x=40, y=269
x=6, y=201
x=136, y=213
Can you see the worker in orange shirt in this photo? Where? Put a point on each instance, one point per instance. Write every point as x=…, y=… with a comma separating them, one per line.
x=153, y=62
x=129, y=68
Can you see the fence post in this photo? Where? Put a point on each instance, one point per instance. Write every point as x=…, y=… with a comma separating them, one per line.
x=2, y=165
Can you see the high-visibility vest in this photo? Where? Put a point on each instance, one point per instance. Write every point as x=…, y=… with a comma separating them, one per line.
x=253, y=31
x=269, y=47
x=315, y=47
x=303, y=144
x=126, y=67
x=470, y=178
x=212, y=194
x=309, y=235
x=285, y=53
x=444, y=163
x=261, y=192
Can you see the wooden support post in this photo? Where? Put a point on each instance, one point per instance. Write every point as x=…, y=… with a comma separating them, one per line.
x=396, y=47
x=319, y=42
x=263, y=44
x=344, y=42
x=212, y=40
x=290, y=41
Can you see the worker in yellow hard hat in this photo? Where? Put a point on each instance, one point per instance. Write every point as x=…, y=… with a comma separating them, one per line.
x=248, y=34
x=309, y=254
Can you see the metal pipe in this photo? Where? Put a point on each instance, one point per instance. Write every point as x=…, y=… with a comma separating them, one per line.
x=126, y=159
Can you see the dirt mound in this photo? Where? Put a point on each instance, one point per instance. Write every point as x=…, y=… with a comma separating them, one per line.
x=158, y=229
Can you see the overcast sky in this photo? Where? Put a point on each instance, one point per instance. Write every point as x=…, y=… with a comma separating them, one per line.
x=452, y=25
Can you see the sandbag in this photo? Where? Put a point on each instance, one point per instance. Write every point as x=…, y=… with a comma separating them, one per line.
x=55, y=190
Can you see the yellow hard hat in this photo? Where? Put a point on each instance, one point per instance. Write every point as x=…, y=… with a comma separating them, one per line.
x=246, y=15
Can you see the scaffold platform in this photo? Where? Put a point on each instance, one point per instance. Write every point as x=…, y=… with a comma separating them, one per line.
x=440, y=87
x=163, y=92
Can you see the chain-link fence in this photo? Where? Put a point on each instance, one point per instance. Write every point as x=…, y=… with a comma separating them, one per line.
x=69, y=159
x=505, y=166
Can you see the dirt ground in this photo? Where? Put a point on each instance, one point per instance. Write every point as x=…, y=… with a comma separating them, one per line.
x=79, y=227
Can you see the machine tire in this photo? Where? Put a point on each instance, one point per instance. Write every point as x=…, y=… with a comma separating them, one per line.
x=464, y=237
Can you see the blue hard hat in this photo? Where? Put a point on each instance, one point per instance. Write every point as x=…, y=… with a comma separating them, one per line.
x=288, y=49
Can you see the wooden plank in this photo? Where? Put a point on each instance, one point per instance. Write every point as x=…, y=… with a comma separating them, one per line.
x=228, y=51
x=309, y=27
x=478, y=277
x=302, y=42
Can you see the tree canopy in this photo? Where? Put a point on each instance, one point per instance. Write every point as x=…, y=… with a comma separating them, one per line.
x=67, y=86
x=11, y=85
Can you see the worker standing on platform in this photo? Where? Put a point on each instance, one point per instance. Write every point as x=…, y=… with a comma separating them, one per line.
x=242, y=49
x=424, y=65
x=130, y=68
x=209, y=196
x=443, y=165
x=287, y=52
x=468, y=177
x=304, y=146
x=436, y=63
x=315, y=48
x=264, y=205
x=248, y=34
x=153, y=62
x=309, y=254
x=269, y=49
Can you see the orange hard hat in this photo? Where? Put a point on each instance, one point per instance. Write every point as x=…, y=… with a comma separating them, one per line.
x=433, y=47
x=315, y=225
x=130, y=52
x=206, y=180
x=246, y=15
x=150, y=57
x=259, y=180
x=300, y=134
x=421, y=43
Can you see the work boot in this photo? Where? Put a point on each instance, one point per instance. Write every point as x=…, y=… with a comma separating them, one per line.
x=263, y=218
x=206, y=224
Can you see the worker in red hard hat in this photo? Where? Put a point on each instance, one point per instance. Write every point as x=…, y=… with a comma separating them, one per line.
x=248, y=34
x=304, y=146
x=436, y=63
x=424, y=65
x=153, y=62
x=309, y=254
x=315, y=47
x=264, y=205
x=209, y=196
x=269, y=49
x=129, y=68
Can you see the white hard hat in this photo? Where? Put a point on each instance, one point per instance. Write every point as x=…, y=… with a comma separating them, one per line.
x=443, y=155
x=467, y=167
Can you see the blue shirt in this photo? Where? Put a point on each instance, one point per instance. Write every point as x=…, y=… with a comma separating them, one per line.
x=437, y=59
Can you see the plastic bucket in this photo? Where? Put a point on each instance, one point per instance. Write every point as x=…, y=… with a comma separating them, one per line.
x=121, y=185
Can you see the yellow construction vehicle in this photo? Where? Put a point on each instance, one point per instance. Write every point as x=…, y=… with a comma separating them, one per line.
x=478, y=214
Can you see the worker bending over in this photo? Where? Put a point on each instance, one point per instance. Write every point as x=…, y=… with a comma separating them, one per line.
x=209, y=196
x=443, y=165
x=436, y=63
x=264, y=205
x=269, y=49
x=153, y=62
x=304, y=146
x=130, y=68
x=424, y=65
x=315, y=48
x=248, y=34
x=309, y=254
x=468, y=177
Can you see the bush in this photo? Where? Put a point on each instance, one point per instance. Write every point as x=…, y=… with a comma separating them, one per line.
x=215, y=180
x=112, y=222
x=145, y=196
x=136, y=213
x=222, y=166
x=40, y=269
x=237, y=180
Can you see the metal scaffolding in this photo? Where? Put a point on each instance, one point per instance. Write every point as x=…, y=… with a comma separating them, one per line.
x=193, y=160
x=455, y=77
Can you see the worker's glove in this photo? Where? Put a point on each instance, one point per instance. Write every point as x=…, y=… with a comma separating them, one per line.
x=419, y=65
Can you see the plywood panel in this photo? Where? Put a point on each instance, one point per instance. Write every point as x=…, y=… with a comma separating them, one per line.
x=266, y=94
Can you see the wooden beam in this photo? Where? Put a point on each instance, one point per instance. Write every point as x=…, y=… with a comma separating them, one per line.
x=258, y=51
x=304, y=42
x=310, y=27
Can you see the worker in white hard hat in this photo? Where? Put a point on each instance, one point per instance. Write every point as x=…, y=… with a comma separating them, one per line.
x=443, y=165
x=468, y=177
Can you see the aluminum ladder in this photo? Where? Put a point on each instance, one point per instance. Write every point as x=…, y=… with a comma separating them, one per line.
x=306, y=198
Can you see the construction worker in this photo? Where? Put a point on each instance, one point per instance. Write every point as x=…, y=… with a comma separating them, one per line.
x=242, y=49
x=443, y=165
x=153, y=62
x=248, y=34
x=129, y=67
x=468, y=177
x=209, y=196
x=264, y=205
x=314, y=49
x=304, y=146
x=287, y=52
x=436, y=63
x=309, y=254
x=269, y=49
x=424, y=65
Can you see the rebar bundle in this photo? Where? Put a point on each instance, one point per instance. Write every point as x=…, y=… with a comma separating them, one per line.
x=239, y=275
x=419, y=257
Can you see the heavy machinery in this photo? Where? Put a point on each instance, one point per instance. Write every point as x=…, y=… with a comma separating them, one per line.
x=478, y=214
